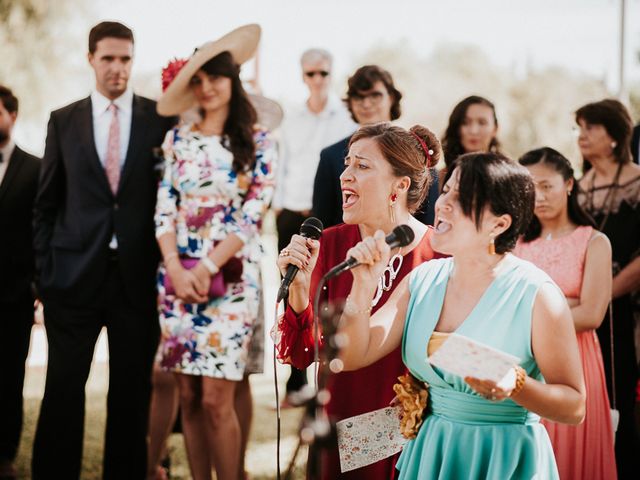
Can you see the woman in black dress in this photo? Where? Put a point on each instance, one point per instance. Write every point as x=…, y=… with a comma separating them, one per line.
x=611, y=194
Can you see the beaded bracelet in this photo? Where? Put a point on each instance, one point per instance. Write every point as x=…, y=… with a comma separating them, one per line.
x=521, y=376
x=350, y=309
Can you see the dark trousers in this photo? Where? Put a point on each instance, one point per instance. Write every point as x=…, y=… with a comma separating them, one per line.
x=288, y=224
x=16, y=319
x=133, y=333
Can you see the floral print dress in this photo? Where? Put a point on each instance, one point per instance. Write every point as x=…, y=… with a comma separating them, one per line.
x=203, y=200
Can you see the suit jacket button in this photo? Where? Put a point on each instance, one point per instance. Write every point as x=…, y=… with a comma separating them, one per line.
x=115, y=206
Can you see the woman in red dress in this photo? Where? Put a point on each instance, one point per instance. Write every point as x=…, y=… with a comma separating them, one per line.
x=385, y=180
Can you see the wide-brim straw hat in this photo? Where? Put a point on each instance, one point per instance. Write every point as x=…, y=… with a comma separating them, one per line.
x=269, y=111
x=241, y=43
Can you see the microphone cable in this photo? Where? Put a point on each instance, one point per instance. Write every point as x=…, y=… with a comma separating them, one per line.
x=275, y=381
x=316, y=360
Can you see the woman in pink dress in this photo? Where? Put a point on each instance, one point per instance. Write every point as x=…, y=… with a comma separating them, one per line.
x=562, y=241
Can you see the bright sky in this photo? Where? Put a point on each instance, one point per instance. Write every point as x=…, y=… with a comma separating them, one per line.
x=578, y=34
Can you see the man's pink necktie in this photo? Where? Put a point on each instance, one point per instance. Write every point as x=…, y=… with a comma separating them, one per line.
x=112, y=162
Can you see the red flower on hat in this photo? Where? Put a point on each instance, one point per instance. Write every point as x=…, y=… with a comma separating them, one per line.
x=171, y=70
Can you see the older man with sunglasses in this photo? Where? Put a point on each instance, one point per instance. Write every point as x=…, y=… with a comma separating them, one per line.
x=321, y=121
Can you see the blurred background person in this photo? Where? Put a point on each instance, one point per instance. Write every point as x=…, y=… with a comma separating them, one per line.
x=635, y=144
x=98, y=259
x=473, y=428
x=218, y=182
x=18, y=186
x=386, y=177
x=164, y=399
x=473, y=127
x=611, y=196
x=321, y=121
x=561, y=241
x=371, y=98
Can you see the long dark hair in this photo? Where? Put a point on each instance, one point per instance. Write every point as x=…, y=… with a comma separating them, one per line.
x=451, y=144
x=560, y=164
x=239, y=126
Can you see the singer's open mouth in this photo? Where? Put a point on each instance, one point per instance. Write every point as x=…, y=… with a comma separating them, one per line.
x=349, y=197
x=442, y=226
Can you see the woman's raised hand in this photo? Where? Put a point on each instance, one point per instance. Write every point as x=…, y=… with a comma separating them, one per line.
x=373, y=255
x=303, y=253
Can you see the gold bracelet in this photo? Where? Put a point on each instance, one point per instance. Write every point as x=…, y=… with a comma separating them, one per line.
x=521, y=377
x=170, y=256
x=351, y=309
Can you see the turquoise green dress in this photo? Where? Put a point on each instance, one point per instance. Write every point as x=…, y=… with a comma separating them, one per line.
x=465, y=436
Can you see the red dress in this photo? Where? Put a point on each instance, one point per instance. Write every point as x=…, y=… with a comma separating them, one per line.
x=360, y=391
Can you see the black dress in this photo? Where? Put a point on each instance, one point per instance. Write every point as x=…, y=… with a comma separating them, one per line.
x=617, y=211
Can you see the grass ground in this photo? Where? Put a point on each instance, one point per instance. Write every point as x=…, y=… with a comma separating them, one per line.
x=261, y=454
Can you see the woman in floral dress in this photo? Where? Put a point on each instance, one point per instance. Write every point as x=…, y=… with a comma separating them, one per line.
x=217, y=184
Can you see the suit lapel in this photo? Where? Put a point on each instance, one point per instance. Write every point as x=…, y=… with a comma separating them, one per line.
x=15, y=163
x=84, y=125
x=136, y=140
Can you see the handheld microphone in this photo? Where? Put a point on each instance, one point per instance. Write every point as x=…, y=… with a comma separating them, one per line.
x=310, y=228
x=401, y=236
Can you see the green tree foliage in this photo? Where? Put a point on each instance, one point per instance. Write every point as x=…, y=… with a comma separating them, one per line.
x=41, y=57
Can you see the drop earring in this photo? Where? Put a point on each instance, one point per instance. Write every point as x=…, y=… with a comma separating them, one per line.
x=492, y=245
x=613, y=145
x=394, y=197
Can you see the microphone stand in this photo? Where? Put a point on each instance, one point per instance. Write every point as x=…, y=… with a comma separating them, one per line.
x=316, y=428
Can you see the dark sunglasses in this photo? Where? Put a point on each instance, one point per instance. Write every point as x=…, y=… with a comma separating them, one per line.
x=313, y=73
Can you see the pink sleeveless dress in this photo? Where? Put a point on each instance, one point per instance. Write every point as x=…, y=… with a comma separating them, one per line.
x=585, y=451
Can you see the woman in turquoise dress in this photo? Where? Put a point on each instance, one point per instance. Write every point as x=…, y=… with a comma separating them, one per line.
x=473, y=428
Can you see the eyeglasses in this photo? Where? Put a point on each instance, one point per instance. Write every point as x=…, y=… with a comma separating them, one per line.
x=313, y=73
x=374, y=97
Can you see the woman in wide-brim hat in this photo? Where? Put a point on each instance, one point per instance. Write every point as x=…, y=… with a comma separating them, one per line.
x=217, y=185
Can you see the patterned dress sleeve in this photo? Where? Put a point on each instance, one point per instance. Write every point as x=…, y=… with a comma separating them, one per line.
x=168, y=195
x=294, y=338
x=245, y=219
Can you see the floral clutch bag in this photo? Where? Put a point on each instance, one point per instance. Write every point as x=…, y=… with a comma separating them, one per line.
x=369, y=438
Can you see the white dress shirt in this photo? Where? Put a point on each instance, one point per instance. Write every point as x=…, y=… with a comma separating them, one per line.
x=6, y=151
x=304, y=135
x=102, y=122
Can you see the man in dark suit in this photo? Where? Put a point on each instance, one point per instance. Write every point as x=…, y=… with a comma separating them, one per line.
x=371, y=98
x=635, y=144
x=18, y=185
x=97, y=257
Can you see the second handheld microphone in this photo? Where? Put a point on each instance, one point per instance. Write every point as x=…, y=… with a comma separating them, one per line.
x=401, y=236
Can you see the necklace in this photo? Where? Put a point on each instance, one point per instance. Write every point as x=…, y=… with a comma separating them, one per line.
x=559, y=233
x=609, y=199
x=210, y=132
x=385, y=282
